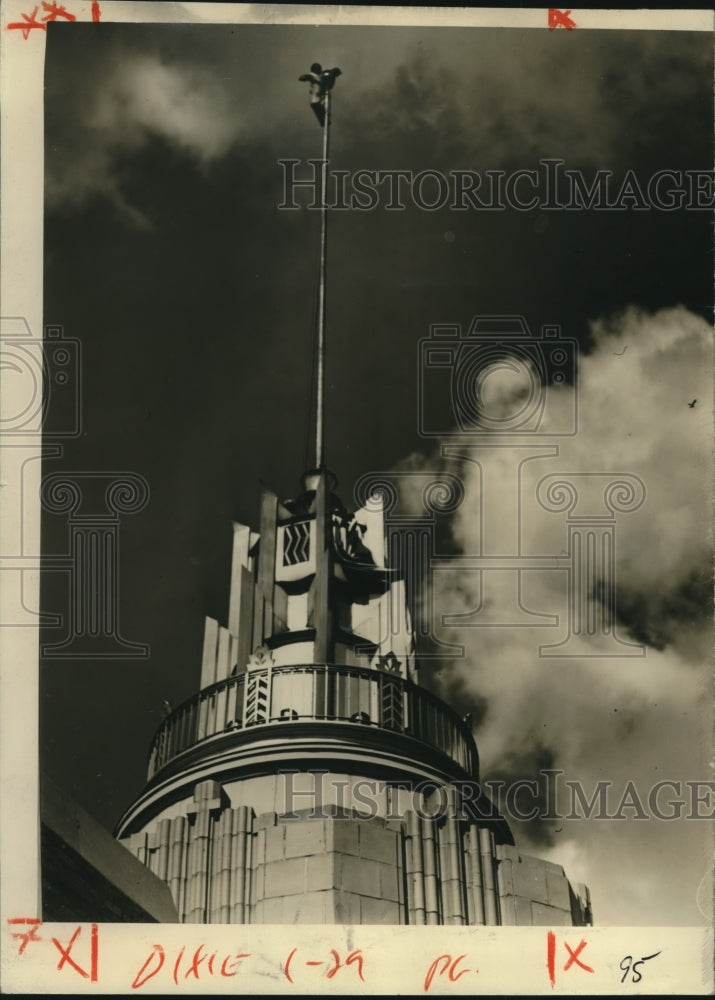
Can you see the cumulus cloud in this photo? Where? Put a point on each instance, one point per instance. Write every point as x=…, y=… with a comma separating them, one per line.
x=596, y=717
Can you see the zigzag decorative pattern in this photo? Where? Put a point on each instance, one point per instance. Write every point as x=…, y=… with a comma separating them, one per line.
x=257, y=689
x=392, y=708
x=296, y=543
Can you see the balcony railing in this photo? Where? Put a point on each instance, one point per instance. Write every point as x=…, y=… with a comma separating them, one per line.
x=314, y=693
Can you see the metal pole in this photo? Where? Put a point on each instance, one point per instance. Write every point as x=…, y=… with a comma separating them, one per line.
x=320, y=400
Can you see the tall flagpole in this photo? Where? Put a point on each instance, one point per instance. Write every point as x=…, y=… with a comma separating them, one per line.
x=321, y=84
x=320, y=394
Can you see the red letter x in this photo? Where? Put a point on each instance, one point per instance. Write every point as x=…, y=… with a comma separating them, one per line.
x=574, y=957
x=66, y=957
x=560, y=19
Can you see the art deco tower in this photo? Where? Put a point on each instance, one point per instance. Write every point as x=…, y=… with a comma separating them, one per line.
x=312, y=779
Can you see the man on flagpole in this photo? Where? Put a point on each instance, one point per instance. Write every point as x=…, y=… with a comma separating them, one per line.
x=321, y=81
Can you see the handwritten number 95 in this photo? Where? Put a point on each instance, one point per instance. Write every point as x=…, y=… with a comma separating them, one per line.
x=628, y=965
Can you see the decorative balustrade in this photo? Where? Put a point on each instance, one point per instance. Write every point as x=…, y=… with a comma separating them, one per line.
x=314, y=693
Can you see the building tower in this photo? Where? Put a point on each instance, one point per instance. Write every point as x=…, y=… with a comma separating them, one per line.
x=312, y=779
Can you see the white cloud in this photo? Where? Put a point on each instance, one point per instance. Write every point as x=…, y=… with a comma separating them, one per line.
x=185, y=105
x=137, y=96
x=616, y=718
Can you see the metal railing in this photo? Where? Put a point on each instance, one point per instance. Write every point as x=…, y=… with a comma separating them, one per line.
x=315, y=693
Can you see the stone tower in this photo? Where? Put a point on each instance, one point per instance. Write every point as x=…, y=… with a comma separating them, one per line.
x=312, y=779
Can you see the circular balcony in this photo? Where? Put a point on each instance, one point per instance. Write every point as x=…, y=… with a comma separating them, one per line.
x=279, y=696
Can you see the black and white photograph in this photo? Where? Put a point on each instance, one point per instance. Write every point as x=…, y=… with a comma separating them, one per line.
x=360, y=455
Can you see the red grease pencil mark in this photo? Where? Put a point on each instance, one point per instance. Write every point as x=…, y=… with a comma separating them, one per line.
x=572, y=960
x=286, y=967
x=26, y=26
x=55, y=10
x=354, y=958
x=65, y=952
x=560, y=19
x=574, y=957
x=551, y=957
x=176, y=965
x=34, y=923
x=449, y=965
x=94, y=954
x=198, y=966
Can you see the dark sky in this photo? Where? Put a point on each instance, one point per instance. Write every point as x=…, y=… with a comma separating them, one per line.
x=193, y=295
